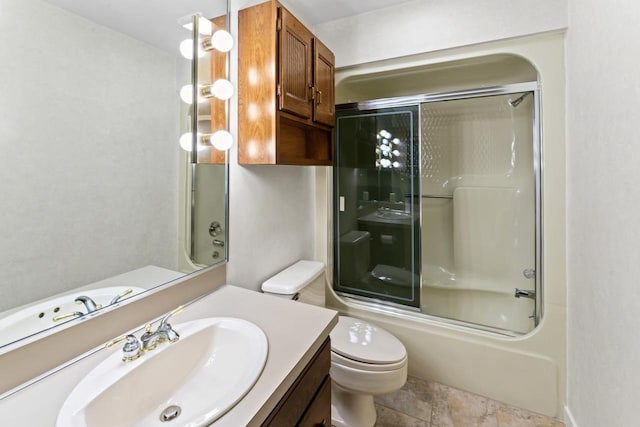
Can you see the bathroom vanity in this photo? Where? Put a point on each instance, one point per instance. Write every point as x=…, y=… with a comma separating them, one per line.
x=293, y=388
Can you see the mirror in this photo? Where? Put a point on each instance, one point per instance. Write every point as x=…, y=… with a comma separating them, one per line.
x=99, y=202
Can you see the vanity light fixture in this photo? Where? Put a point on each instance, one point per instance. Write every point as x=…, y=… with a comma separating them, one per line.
x=220, y=140
x=221, y=89
x=185, y=142
x=386, y=154
x=221, y=40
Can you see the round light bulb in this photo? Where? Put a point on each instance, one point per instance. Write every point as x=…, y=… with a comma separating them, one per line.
x=222, y=89
x=395, y=152
x=186, y=139
x=396, y=140
x=186, y=49
x=186, y=94
x=396, y=164
x=222, y=41
x=221, y=140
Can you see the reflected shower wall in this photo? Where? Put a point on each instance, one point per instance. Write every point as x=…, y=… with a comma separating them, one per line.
x=478, y=210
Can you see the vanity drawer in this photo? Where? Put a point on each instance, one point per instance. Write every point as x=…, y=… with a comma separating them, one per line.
x=307, y=397
x=319, y=412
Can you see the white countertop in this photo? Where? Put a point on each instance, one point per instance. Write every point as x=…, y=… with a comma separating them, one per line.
x=295, y=331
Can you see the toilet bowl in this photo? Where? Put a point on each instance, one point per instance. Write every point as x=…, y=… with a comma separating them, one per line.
x=366, y=360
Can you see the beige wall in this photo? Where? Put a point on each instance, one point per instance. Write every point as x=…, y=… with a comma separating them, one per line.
x=603, y=90
x=432, y=25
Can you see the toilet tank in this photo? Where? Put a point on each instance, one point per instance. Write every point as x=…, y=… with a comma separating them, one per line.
x=354, y=256
x=302, y=281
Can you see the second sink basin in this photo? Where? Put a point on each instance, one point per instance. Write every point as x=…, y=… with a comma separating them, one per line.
x=200, y=377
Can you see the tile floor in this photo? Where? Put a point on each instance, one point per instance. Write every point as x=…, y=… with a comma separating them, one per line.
x=428, y=404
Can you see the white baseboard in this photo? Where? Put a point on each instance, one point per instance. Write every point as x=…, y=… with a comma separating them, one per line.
x=569, y=421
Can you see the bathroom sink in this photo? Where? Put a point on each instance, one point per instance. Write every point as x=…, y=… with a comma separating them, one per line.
x=389, y=216
x=392, y=214
x=205, y=373
x=39, y=316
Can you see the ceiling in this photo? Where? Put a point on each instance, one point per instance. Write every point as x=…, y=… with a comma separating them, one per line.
x=155, y=21
x=318, y=11
x=152, y=21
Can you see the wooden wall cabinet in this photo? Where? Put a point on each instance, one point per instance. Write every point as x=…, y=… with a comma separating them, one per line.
x=286, y=104
x=307, y=403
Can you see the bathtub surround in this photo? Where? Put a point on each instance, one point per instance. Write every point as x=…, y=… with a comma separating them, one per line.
x=429, y=404
x=89, y=163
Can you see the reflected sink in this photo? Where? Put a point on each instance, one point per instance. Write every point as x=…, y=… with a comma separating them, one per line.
x=205, y=373
x=39, y=316
x=393, y=214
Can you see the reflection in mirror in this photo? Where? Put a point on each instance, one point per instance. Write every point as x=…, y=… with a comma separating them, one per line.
x=95, y=188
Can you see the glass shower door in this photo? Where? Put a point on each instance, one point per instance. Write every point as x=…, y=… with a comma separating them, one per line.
x=479, y=210
x=376, y=182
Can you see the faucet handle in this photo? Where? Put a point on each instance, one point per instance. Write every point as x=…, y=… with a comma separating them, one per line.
x=131, y=349
x=165, y=331
x=170, y=314
x=68, y=316
x=121, y=295
x=148, y=339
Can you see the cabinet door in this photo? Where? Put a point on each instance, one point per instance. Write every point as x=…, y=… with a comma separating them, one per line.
x=319, y=412
x=295, y=57
x=323, y=82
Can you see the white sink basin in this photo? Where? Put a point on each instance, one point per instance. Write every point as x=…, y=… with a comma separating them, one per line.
x=213, y=365
x=39, y=316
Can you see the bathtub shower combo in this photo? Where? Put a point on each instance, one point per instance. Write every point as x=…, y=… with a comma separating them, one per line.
x=437, y=206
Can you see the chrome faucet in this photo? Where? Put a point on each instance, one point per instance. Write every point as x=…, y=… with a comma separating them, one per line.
x=131, y=349
x=521, y=293
x=164, y=333
x=88, y=303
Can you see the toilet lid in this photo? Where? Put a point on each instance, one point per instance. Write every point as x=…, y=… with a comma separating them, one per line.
x=362, y=341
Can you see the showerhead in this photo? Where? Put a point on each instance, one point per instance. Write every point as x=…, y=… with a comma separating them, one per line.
x=515, y=102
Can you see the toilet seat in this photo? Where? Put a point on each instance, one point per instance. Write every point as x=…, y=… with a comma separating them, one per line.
x=363, y=366
x=365, y=346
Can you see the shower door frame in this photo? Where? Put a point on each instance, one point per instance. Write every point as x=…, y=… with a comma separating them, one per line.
x=532, y=87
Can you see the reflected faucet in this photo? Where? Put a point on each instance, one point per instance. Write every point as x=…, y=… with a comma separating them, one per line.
x=88, y=303
x=121, y=295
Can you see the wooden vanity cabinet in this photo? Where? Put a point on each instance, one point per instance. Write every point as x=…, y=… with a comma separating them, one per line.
x=307, y=403
x=286, y=104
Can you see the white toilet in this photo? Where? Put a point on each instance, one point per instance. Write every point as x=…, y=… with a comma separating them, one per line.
x=365, y=360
